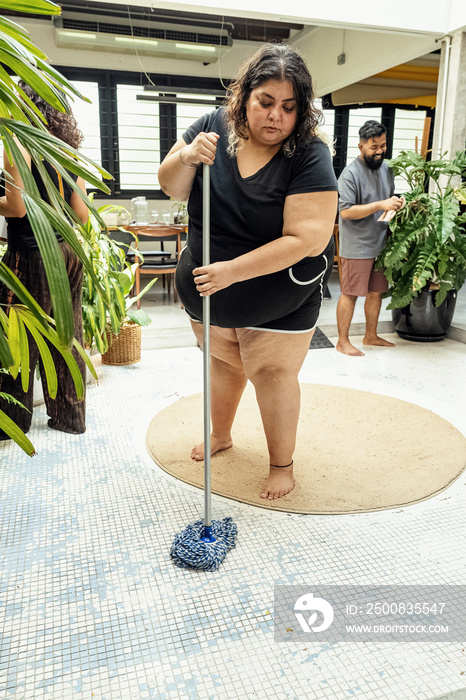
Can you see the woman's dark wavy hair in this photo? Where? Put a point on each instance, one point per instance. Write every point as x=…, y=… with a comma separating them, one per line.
x=274, y=62
x=63, y=125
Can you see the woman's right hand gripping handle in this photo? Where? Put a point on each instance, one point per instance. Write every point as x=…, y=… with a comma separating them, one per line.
x=201, y=150
x=177, y=171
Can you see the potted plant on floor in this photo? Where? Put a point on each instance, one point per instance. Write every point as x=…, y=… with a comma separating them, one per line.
x=425, y=256
x=112, y=327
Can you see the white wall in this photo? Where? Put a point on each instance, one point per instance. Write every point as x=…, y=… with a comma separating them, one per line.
x=457, y=19
x=450, y=124
x=43, y=34
x=415, y=16
x=366, y=54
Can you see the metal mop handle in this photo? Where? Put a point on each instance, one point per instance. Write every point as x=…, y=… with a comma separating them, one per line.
x=206, y=356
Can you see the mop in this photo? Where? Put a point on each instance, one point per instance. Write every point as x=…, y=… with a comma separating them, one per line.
x=204, y=544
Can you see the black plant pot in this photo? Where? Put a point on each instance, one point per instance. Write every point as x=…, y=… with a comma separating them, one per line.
x=422, y=321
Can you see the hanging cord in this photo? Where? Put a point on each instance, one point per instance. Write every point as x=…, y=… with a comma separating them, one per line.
x=136, y=49
x=222, y=56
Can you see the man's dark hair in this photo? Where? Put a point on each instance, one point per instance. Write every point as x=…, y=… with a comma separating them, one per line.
x=371, y=129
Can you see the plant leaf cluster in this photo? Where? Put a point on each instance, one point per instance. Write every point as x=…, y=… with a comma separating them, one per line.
x=21, y=121
x=113, y=272
x=426, y=246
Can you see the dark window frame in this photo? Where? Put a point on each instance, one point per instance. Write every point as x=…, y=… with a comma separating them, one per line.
x=387, y=119
x=108, y=80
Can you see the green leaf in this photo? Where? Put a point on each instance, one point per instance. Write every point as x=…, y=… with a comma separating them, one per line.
x=30, y=74
x=67, y=232
x=11, y=429
x=62, y=156
x=139, y=316
x=449, y=208
x=13, y=338
x=14, y=30
x=55, y=269
x=123, y=284
x=12, y=400
x=86, y=358
x=52, y=257
x=47, y=361
x=9, y=102
x=56, y=152
x=55, y=78
x=441, y=294
x=36, y=7
x=426, y=241
x=24, y=354
x=17, y=287
x=133, y=300
x=6, y=359
x=51, y=336
x=460, y=193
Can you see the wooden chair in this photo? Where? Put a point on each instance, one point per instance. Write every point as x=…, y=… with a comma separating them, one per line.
x=158, y=265
x=159, y=262
x=155, y=262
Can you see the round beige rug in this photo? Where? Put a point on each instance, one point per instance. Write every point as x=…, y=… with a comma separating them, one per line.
x=356, y=452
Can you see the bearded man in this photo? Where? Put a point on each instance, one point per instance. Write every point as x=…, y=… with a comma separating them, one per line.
x=366, y=189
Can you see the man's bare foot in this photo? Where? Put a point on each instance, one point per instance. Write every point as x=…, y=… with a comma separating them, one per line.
x=216, y=445
x=347, y=348
x=377, y=340
x=279, y=482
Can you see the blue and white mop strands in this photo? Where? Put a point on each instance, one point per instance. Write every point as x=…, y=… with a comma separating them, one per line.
x=204, y=544
x=190, y=551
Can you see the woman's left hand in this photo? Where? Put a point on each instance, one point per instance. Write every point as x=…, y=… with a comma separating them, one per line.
x=213, y=278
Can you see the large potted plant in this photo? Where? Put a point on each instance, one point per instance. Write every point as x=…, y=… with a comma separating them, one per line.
x=19, y=118
x=111, y=326
x=425, y=256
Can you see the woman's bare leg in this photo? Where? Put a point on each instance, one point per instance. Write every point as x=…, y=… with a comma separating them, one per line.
x=272, y=362
x=228, y=381
x=227, y=386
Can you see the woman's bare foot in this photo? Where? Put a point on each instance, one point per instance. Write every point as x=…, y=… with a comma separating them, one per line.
x=279, y=482
x=216, y=445
x=377, y=340
x=347, y=348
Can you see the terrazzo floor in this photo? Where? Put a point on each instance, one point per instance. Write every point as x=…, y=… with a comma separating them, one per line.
x=92, y=607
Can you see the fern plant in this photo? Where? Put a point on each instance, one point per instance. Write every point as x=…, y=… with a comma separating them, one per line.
x=426, y=247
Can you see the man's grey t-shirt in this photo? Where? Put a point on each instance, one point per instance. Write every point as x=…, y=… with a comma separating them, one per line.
x=358, y=184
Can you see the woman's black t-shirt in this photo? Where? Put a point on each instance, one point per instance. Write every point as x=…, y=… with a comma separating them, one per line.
x=247, y=212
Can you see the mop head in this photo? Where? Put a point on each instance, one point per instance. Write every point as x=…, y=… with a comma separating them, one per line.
x=189, y=551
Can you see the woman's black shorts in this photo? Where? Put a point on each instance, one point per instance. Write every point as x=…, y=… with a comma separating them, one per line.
x=288, y=301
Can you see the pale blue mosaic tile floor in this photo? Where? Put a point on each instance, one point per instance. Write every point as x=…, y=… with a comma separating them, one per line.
x=91, y=605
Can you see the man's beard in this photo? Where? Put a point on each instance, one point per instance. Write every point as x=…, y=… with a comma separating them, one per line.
x=372, y=162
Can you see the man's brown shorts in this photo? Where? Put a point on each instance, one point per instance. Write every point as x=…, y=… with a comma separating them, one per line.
x=358, y=277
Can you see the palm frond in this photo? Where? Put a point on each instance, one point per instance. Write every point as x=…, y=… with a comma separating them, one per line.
x=16, y=434
x=36, y=7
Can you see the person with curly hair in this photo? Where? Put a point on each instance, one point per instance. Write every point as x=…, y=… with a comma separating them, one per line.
x=66, y=413
x=274, y=200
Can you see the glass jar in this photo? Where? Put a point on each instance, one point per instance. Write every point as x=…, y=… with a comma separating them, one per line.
x=140, y=211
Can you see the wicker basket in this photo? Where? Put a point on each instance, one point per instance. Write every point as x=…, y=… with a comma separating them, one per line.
x=124, y=348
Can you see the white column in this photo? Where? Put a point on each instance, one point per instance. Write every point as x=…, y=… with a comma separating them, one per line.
x=450, y=116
